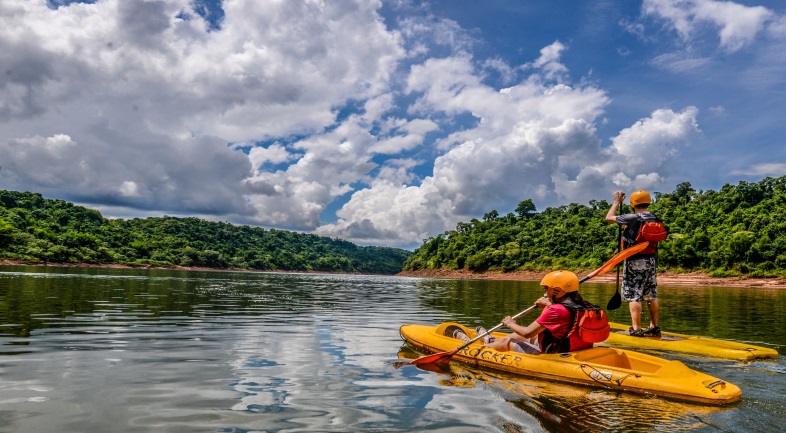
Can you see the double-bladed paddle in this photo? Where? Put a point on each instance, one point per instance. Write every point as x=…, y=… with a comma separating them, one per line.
x=443, y=357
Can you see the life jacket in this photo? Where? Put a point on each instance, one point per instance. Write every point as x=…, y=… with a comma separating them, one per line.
x=589, y=324
x=647, y=227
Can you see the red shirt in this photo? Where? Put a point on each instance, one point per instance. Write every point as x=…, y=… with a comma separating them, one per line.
x=557, y=319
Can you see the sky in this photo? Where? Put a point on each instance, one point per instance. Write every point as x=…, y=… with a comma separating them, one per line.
x=384, y=122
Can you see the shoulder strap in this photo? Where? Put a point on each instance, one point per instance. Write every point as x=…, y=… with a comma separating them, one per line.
x=647, y=217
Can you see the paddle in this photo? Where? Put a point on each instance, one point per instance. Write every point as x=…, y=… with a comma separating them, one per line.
x=443, y=357
x=614, y=261
x=616, y=300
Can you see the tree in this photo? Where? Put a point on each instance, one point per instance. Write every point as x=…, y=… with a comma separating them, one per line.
x=525, y=208
x=491, y=216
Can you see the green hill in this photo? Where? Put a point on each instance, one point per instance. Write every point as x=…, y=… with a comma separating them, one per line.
x=739, y=230
x=36, y=229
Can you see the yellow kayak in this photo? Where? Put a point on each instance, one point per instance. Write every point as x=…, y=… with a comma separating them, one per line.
x=689, y=344
x=605, y=367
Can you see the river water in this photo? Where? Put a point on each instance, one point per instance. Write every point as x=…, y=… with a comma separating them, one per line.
x=107, y=350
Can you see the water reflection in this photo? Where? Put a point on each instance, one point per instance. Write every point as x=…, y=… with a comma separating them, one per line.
x=562, y=407
x=149, y=350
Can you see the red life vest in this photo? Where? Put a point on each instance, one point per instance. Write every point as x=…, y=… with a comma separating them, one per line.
x=651, y=229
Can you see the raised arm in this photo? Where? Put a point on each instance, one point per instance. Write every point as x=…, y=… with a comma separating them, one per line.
x=611, y=215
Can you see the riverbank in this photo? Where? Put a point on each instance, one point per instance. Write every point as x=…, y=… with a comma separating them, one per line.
x=174, y=267
x=693, y=279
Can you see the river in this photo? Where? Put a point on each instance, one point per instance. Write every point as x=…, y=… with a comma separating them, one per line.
x=134, y=350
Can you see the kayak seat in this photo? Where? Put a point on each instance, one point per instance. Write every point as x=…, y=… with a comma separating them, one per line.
x=609, y=357
x=448, y=328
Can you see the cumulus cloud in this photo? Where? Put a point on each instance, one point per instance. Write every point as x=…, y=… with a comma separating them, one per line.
x=531, y=141
x=150, y=97
x=549, y=61
x=285, y=108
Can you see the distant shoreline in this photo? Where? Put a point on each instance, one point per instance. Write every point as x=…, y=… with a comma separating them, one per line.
x=171, y=268
x=693, y=279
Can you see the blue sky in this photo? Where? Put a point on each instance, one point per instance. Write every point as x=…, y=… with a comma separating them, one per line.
x=384, y=122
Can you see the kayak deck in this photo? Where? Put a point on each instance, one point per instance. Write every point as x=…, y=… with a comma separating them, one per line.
x=670, y=341
x=605, y=367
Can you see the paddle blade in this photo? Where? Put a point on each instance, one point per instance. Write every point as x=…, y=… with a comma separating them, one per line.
x=615, y=301
x=614, y=261
x=436, y=358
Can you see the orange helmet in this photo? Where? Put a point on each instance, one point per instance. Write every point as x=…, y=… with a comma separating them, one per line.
x=640, y=197
x=559, y=283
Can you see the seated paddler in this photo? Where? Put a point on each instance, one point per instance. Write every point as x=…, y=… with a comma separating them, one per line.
x=549, y=332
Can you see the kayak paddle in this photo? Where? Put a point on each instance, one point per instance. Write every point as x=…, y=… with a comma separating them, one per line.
x=616, y=300
x=443, y=357
x=614, y=261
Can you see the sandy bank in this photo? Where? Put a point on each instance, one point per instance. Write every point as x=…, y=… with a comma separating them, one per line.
x=695, y=279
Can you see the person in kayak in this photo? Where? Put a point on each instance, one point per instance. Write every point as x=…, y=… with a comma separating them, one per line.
x=553, y=324
x=639, y=282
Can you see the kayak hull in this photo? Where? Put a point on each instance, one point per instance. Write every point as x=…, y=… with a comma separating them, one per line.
x=604, y=367
x=670, y=341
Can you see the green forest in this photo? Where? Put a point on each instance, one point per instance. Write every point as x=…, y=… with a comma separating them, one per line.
x=737, y=231
x=36, y=229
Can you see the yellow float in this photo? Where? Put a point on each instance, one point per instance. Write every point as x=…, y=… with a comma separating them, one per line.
x=674, y=342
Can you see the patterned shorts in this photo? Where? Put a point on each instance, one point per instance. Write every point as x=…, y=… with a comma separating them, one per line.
x=638, y=280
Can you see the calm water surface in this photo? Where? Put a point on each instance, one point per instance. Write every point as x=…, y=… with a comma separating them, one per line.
x=100, y=350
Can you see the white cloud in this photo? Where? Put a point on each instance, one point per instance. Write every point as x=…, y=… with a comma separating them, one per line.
x=552, y=156
x=549, y=61
x=680, y=62
x=128, y=106
x=274, y=154
x=737, y=25
x=718, y=110
x=129, y=189
x=774, y=169
x=154, y=100
x=652, y=141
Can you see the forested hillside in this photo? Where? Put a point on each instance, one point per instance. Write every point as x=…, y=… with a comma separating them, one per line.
x=36, y=229
x=739, y=230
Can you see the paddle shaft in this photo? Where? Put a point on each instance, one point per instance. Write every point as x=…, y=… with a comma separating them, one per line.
x=616, y=300
x=619, y=248
x=500, y=325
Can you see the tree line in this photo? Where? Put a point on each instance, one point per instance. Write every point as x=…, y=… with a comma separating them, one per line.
x=36, y=229
x=739, y=230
